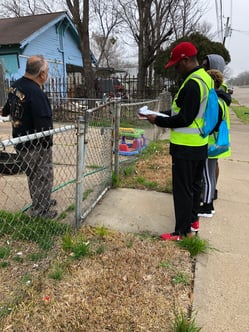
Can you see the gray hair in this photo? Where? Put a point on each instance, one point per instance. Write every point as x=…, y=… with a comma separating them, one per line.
x=36, y=64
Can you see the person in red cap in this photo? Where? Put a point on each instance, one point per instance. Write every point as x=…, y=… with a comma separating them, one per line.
x=187, y=147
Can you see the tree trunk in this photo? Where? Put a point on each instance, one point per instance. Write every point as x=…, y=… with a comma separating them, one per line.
x=86, y=53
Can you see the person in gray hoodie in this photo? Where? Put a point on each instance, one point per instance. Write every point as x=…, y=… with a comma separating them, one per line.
x=216, y=61
x=213, y=61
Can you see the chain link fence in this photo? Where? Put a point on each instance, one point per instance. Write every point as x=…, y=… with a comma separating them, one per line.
x=85, y=156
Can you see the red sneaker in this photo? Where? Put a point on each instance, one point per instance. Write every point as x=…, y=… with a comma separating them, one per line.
x=195, y=226
x=171, y=237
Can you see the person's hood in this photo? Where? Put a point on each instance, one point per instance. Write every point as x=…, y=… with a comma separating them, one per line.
x=216, y=61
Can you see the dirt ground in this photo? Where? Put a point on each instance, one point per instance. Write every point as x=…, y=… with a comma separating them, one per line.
x=129, y=283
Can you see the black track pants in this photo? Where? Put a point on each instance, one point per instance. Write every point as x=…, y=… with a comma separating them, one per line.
x=187, y=185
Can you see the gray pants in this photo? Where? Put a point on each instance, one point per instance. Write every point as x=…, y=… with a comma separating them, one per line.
x=209, y=180
x=38, y=166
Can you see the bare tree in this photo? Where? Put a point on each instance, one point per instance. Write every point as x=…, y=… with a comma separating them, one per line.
x=155, y=23
x=80, y=14
x=184, y=17
x=148, y=23
x=106, y=19
x=205, y=28
x=110, y=50
x=16, y=8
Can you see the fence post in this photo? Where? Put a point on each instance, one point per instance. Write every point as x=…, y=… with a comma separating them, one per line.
x=81, y=141
x=116, y=139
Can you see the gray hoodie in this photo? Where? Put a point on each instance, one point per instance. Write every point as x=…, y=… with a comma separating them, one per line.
x=216, y=61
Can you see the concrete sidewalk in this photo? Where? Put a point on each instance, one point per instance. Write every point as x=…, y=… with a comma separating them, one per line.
x=221, y=288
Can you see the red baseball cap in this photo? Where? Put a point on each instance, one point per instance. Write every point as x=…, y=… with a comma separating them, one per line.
x=180, y=51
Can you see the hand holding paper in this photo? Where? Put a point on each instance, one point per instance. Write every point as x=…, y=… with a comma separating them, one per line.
x=144, y=111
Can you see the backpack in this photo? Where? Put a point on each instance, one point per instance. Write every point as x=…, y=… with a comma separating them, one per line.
x=211, y=112
x=222, y=143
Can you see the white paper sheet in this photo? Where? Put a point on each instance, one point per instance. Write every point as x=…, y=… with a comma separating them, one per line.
x=145, y=111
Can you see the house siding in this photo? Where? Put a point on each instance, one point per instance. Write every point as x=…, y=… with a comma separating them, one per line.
x=72, y=52
x=58, y=52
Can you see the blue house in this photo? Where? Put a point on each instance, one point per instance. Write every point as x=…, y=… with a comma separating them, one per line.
x=53, y=35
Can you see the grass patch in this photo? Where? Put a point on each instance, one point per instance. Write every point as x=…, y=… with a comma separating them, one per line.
x=101, y=231
x=63, y=214
x=195, y=245
x=18, y=259
x=154, y=148
x=70, y=208
x=76, y=245
x=178, y=277
x=148, y=184
x=4, y=311
x=27, y=278
x=235, y=101
x=129, y=170
x=183, y=324
x=4, y=252
x=241, y=112
x=37, y=256
x=145, y=172
x=57, y=271
x=115, y=180
x=86, y=194
x=39, y=230
x=4, y=264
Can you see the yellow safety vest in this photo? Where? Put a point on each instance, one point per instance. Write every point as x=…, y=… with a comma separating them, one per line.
x=190, y=136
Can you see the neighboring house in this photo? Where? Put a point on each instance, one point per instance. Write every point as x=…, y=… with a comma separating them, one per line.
x=53, y=35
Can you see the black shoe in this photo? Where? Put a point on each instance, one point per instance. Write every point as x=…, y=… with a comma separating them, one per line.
x=205, y=210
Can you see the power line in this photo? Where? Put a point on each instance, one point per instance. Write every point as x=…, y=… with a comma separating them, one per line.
x=245, y=32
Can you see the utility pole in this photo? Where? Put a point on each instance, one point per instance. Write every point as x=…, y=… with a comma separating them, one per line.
x=227, y=31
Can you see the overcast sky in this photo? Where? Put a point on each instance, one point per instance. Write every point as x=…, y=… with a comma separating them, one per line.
x=238, y=43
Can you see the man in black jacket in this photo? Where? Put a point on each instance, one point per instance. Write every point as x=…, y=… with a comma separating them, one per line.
x=30, y=112
x=187, y=147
